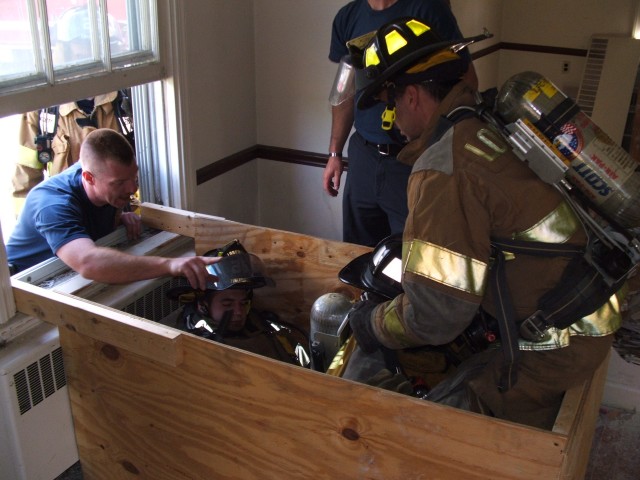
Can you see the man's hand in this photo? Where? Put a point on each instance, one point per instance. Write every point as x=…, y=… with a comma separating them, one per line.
x=331, y=176
x=133, y=223
x=360, y=323
x=194, y=270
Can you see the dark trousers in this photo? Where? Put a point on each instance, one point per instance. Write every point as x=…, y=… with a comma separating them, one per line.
x=375, y=195
x=543, y=378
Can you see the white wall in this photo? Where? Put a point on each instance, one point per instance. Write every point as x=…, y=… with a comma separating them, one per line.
x=293, y=73
x=293, y=80
x=221, y=101
x=473, y=17
x=259, y=73
x=292, y=195
x=568, y=24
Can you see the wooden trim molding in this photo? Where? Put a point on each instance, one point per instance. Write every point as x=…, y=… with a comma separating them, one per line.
x=524, y=47
x=266, y=152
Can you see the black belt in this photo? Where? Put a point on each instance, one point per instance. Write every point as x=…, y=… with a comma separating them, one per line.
x=385, y=149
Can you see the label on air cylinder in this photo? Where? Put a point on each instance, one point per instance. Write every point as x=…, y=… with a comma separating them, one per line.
x=597, y=164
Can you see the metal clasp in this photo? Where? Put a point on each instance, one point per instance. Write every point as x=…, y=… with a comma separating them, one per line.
x=535, y=327
x=384, y=149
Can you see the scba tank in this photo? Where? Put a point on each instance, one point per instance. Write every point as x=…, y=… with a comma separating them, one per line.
x=598, y=167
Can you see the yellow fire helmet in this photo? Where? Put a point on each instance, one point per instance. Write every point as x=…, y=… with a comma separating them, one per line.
x=405, y=51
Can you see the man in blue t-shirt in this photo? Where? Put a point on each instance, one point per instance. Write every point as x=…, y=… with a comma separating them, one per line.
x=67, y=213
x=375, y=195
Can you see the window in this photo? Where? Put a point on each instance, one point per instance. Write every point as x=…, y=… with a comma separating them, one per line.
x=54, y=51
x=47, y=43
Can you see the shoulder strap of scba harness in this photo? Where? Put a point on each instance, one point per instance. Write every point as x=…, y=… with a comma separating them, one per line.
x=593, y=274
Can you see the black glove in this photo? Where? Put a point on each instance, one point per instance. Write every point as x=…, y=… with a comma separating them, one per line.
x=394, y=382
x=360, y=323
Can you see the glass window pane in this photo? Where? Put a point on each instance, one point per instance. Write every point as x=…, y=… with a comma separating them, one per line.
x=74, y=40
x=119, y=16
x=16, y=48
x=75, y=33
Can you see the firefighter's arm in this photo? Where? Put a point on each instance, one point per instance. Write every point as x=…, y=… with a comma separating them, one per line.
x=360, y=321
x=108, y=265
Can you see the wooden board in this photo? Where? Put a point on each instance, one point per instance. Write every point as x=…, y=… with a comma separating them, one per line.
x=162, y=404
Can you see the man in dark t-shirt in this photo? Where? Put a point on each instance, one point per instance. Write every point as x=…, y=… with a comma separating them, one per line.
x=374, y=201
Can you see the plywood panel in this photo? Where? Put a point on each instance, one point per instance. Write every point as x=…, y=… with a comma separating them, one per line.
x=154, y=402
x=224, y=413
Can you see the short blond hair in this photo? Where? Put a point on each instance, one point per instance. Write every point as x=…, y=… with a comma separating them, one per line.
x=104, y=144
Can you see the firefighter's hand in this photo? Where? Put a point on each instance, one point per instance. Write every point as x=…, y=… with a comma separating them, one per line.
x=133, y=223
x=360, y=323
x=331, y=176
x=389, y=381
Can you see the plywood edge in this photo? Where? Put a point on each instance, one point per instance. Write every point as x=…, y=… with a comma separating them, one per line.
x=144, y=337
x=570, y=408
x=210, y=231
x=168, y=219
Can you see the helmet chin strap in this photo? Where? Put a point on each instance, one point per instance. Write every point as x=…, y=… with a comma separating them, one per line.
x=389, y=114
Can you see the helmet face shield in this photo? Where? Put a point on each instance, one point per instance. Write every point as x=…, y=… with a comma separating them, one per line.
x=350, y=76
x=385, y=261
x=344, y=85
x=379, y=271
x=240, y=270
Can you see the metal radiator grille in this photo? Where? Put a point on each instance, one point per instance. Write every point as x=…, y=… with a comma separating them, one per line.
x=155, y=305
x=39, y=380
x=592, y=73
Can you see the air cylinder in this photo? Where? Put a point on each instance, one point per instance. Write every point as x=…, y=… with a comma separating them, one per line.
x=602, y=170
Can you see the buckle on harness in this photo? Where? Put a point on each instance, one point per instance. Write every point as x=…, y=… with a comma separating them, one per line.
x=535, y=327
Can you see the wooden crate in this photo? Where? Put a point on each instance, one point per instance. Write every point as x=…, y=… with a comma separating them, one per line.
x=152, y=402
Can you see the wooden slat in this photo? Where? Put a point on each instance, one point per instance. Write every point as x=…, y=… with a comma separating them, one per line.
x=113, y=327
x=168, y=219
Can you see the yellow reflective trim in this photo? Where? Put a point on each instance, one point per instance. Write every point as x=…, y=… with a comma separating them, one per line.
x=604, y=321
x=418, y=28
x=392, y=324
x=446, y=267
x=557, y=227
x=440, y=57
x=28, y=157
x=607, y=319
x=371, y=56
x=395, y=41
